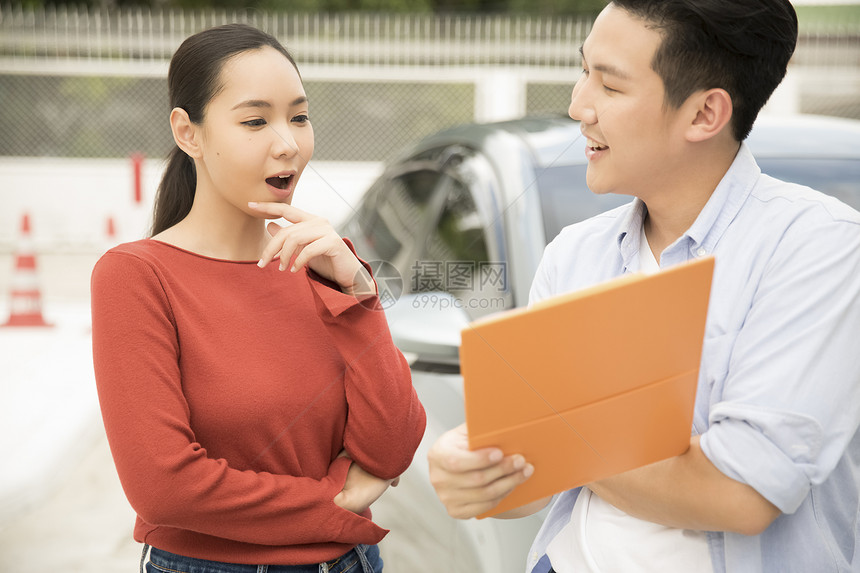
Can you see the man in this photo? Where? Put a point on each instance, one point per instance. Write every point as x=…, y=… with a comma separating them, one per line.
x=669, y=90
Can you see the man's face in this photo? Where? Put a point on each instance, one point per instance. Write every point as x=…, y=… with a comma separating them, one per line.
x=633, y=142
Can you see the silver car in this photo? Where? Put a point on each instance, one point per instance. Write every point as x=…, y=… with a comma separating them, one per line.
x=455, y=228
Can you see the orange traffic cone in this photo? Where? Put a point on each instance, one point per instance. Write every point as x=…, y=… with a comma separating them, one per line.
x=26, y=299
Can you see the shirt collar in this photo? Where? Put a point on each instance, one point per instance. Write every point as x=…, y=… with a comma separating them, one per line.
x=725, y=201
x=713, y=220
x=628, y=234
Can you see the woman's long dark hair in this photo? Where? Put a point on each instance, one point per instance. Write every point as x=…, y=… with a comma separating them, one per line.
x=192, y=81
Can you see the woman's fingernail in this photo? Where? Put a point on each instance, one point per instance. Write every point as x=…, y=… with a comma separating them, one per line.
x=496, y=456
x=252, y=203
x=261, y=264
x=530, y=469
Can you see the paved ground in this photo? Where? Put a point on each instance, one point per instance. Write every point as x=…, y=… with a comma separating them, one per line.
x=61, y=505
x=84, y=525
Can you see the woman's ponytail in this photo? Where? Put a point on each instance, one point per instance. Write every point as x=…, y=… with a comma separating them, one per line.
x=175, y=193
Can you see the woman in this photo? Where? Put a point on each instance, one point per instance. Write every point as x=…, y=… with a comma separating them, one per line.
x=254, y=402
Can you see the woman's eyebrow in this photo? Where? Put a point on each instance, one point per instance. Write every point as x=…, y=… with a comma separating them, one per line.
x=263, y=103
x=252, y=103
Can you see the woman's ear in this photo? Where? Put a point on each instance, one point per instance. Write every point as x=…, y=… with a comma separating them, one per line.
x=185, y=132
x=713, y=112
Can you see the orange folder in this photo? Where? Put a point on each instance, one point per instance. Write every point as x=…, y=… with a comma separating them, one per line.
x=591, y=383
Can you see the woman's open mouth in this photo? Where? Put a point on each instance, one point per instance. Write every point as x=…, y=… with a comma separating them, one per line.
x=281, y=182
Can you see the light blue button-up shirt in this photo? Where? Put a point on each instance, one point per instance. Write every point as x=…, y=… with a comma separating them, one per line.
x=778, y=404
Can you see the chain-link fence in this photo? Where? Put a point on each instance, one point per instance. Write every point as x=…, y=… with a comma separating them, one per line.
x=83, y=116
x=91, y=116
x=91, y=83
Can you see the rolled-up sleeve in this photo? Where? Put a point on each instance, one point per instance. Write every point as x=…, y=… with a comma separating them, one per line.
x=790, y=403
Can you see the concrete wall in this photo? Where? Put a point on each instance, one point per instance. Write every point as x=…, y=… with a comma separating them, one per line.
x=70, y=201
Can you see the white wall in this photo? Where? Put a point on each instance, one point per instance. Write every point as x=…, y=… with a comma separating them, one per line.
x=70, y=200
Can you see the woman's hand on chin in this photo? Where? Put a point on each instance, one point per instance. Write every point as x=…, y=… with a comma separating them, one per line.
x=312, y=241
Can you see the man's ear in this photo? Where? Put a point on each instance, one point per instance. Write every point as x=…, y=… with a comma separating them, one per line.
x=185, y=132
x=713, y=111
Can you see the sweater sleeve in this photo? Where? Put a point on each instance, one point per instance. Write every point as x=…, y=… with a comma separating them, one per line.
x=168, y=477
x=386, y=420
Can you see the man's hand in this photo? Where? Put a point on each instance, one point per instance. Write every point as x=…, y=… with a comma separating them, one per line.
x=470, y=483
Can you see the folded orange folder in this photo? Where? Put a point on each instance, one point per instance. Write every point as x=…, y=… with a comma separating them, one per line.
x=591, y=383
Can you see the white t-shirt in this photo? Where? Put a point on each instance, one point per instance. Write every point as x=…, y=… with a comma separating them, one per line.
x=647, y=261
x=600, y=538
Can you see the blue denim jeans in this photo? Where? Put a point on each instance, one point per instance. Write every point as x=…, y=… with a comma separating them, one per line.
x=361, y=559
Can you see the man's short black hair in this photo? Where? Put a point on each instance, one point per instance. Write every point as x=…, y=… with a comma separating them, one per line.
x=741, y=46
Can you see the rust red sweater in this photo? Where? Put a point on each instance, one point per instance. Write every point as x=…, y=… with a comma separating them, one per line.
x=227, y=392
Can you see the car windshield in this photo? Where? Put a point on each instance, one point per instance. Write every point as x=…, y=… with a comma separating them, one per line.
x=837, y=177
x=565, y=198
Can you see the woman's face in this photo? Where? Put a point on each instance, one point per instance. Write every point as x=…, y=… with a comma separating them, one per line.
x=256, y=137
